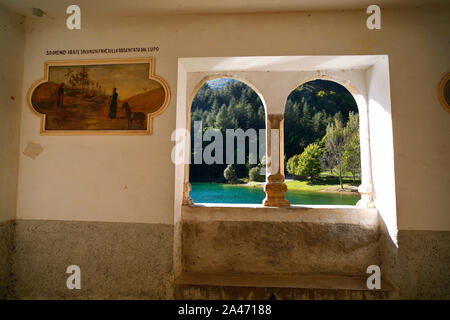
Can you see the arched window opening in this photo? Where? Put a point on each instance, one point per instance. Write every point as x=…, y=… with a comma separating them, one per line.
x=322, y=145
x=227, y=143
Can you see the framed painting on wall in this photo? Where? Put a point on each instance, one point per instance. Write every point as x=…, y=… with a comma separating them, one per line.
x=118, y=96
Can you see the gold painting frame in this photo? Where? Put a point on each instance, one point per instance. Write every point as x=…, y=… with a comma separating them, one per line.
x=441, y=92
x=90, y=62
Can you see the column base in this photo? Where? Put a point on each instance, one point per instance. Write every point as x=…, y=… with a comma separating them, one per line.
x=365, y=190
x=365, y=202
x=187, y=200
x=276, y=203
x=275, y=195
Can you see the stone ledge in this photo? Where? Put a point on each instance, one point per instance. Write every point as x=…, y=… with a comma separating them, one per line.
x=319, y=214
x=258, y=286
x=335, y=282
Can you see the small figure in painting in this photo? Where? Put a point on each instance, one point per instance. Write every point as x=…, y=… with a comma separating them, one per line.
x=128, y=113
x=138, y=117
x=113, y=105
x=60, y=101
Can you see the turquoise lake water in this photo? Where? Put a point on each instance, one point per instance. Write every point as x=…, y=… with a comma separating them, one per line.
x=223, y=193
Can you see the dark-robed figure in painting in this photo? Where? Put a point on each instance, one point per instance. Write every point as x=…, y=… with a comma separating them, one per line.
x=113, y=105
x=60, y=101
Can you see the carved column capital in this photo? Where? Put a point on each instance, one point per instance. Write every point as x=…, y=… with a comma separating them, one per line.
x=275, y=120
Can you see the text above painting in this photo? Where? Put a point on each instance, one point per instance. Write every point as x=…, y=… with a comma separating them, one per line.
x=99, y=97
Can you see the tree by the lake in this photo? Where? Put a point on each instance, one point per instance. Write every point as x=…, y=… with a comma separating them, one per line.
x=308, y=163
x=292, y=163
x=255, y=174
x=334, y=148
x=339, y=140
x=230, y=173
x=352, y=154
x=256, y=171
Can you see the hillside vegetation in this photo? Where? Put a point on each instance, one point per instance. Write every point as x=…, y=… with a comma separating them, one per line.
x=310, y=110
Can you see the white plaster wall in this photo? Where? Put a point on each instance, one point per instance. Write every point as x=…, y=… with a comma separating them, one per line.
x=84, y=178
x=12, y=41
x=96, y=178
x=381, y=143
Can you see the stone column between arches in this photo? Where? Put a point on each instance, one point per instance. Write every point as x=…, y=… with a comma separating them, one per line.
x=275, y=186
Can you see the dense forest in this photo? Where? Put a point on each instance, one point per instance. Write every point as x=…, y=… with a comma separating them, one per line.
x=310, y=110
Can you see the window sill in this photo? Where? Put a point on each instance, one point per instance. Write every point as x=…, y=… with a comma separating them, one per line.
x=295, y=213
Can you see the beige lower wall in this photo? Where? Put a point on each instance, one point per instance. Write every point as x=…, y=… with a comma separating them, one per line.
x=117, y=260
x=134, y=261
x=419, y=267
x=6, y=250
x=424, y=264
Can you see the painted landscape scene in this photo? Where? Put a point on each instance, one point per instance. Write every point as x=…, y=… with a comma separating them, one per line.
x=98, y=97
